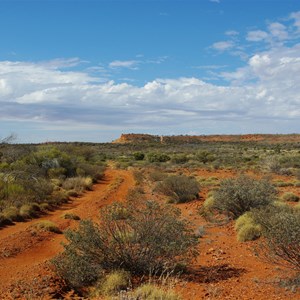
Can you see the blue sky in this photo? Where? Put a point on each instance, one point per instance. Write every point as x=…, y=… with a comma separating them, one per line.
x=91, y=70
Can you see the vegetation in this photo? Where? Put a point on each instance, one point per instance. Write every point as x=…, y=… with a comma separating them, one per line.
x=153, y=292
x=140, y=238
x=46, y=226
x=247, y=229
x=281, y=232
x=179, y=188
x=290, y=197
x=238, y=195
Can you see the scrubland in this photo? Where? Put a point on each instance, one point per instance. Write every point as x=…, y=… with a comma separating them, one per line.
x=150, y=220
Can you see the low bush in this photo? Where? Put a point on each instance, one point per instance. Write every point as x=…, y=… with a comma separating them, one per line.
x=246, y=228
x=179, y=188
x=12, y=214
x=158, y=157
x=30, y=210
x=157, y=176
x=153, y=292
x=281, y=232
x=236, y=196
x=78, y=184
x=148, y=238
x=46, y=225
x=290, y=197
x=70, y=216
x=113, y=283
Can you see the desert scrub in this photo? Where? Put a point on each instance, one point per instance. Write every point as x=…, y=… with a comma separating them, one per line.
x=46, y=225
x=153, y=292
x=78, y=184
x=290, y=197
x=247, y=229
x=148, y=238
x=281, y=232
x=135, y=194
x=179, y=188
x=70, y=216
x=30, y=210
x=11, y=213
x=112, y=284
x=236, y=196
x=157, y=175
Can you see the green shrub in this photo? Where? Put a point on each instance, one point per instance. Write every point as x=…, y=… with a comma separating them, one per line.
x=46, y=225
x=58, y=197
x=113, y=283
x=157, y=176
x=205, y=157
x=138, y=155
x=11, y=213
x=70, y=216
x=290, y=197
x=249, y=232
x=158, y=157
x=179, y=188
x=246, y=228
x=238, y=195
x=281, y=232
x=150, y=238
x=78, y=184
x=179, y=159
x=31, y=210
x=4, y=221
x=153, y=292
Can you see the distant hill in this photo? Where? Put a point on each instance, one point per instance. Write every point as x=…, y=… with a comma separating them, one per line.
x=262, y=138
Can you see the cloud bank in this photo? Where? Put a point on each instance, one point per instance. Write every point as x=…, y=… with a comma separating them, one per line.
x=261, y=96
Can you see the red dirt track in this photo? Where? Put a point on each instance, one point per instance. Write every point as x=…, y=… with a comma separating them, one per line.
x=225, y=268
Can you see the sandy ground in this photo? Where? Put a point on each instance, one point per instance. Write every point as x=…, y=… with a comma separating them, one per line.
x=224, y=269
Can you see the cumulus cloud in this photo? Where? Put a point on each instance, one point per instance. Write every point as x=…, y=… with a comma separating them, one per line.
x=129, y=64
x=256, y=36
x=267, y=88
x=223, y=45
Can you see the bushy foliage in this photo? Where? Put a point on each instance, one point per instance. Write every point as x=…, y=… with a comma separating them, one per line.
x=247, y=229
x=290, y=197
x=158, y=157
x=179, y=188
x=153, y=292
x=281, y=232
x=146, y=238
x=113, y=283
x=138, y=155
x=236, y=196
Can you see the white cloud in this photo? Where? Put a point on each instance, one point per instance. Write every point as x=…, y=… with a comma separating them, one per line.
x=256, y=36
x=267, y=88
x=223, y=45
x=278, y=31
x=296, y=17
x=129, y=64
x=232, y=32
x=215, y=1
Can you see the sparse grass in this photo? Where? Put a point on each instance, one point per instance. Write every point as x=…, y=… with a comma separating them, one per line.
x=153, y=292
x=46, y=225
x=290, y=197
x=28, y=211
x=70, y=216
x=246, y=228
x=112, y=283
x=12, y=214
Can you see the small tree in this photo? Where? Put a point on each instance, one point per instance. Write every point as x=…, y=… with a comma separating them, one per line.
x=139, y=239
x=239, y=195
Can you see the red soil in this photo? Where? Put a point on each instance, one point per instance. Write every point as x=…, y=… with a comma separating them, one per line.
x=224, y=269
